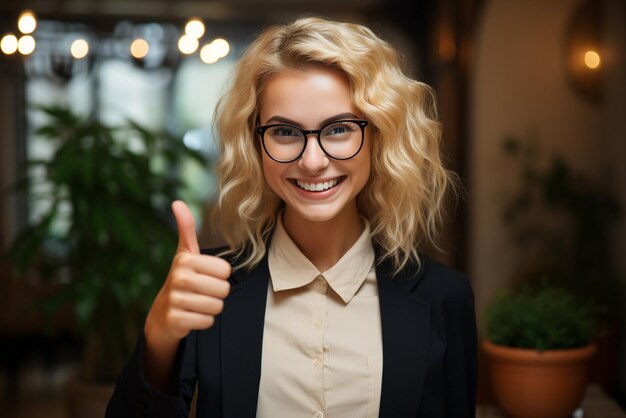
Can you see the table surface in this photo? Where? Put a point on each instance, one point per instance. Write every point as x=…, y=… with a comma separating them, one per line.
x=595, y=405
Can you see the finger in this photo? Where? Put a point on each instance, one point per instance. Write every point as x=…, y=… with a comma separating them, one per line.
x=206, y=264
x=196, y=302
x=202, y=284
x=187, y=239
x=188, y=320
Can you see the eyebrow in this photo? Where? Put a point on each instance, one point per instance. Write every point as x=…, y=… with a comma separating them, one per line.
x=346, y=115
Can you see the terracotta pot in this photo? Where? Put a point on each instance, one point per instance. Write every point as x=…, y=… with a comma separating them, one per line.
x=539, y=384
x=84, y=399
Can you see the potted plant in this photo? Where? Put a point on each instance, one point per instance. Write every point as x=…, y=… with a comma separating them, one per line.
x=539, y=347
x=104, y=234
x=562, y=220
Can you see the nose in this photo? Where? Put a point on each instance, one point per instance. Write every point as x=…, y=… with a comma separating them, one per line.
x=313, y=159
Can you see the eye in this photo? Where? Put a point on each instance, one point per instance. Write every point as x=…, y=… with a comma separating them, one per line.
x=340, y=128
x=283, y=131
x=337, y=130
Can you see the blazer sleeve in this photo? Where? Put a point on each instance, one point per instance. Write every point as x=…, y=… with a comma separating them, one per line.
x=134, y=397
x=460, y=363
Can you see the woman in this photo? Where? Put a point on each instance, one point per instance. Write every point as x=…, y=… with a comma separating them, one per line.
x=321, y=305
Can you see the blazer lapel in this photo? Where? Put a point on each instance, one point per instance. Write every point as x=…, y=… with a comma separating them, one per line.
x=242, y=341
x=406, y=338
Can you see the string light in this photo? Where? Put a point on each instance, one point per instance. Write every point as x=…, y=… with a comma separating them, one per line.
x=27, y=22
x=79, y=48
x=139, y=48
x=221, y=47
x=26, y=45
x=194, y=28
x=187, y=44
x=208, y=54
x=8, y=44
x=212, y=52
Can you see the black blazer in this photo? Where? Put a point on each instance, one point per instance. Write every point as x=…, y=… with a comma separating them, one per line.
x=429, y=351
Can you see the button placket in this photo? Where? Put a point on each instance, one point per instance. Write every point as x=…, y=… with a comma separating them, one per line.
x=317, y=311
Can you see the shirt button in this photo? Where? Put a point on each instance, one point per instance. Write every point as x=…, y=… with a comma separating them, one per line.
x=317, y=362
x=317, y=322
x=319, y=414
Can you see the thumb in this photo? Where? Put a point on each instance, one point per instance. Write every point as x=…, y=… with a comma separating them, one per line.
x=187, y=239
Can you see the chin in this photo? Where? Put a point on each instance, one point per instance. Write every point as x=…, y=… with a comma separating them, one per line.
x=316, y=213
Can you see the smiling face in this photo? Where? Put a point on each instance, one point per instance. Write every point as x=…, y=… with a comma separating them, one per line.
x=315, y=187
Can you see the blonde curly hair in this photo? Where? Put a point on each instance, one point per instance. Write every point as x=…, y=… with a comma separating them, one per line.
x=404, y=196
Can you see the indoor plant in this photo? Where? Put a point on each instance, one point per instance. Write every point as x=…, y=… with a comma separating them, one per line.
x=539, y=346
x=541, y=336
x=105, y=235
x=563, y=221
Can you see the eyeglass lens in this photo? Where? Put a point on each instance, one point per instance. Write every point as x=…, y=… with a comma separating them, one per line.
x=339, y=140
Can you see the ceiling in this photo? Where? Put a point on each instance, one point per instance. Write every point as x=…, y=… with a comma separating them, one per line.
x=174, y=9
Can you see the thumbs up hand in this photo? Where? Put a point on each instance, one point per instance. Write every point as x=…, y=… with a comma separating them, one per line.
x=193, y=293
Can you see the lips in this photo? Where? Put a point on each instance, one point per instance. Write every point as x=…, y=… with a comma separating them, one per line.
x=318, y=186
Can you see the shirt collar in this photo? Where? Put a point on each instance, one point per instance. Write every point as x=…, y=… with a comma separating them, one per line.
x=290, y=269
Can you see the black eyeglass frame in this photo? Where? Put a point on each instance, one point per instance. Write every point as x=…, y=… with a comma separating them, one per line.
x=306, y=132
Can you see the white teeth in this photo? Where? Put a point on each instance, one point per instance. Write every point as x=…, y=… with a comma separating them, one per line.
x=317, y=187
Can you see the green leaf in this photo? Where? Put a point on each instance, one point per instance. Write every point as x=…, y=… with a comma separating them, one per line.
x=120, y=239
x=542, y=318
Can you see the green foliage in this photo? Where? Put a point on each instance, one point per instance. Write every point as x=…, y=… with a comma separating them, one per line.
x=542, y=318
x=110, y=189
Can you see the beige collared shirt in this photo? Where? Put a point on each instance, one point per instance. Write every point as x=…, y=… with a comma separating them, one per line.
x=322, y=341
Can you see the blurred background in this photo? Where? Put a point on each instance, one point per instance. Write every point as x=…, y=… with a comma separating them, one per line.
x=106, y=115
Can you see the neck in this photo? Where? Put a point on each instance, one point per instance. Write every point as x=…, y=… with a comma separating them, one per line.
x=325, y=242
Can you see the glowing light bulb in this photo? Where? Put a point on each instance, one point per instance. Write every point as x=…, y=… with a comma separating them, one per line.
x=208, y=54
x=187, y=44
x=139, y=48
x=194, y=28
x=8, y=44
x=27, y=22
x=592, y=59
x=221, y=47
x=79, y=48
x=26, y=45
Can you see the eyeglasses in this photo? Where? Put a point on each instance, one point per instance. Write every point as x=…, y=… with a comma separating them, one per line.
x=340, y=140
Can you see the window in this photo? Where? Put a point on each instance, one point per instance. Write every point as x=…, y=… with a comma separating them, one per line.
x=96, y=74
